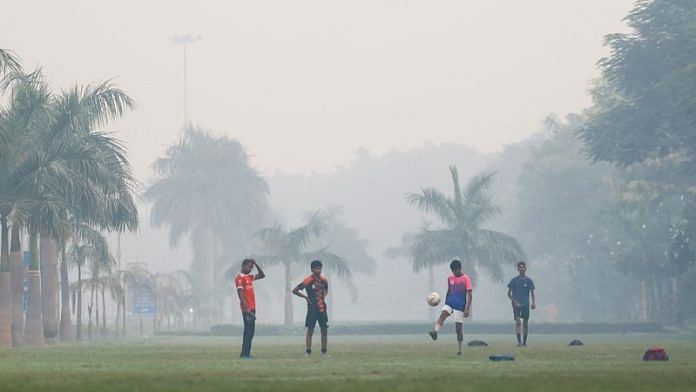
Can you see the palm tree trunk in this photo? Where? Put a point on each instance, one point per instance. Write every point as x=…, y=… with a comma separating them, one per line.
x=123, y=306
x=431, y=288
x=643, y=304
x=288, y=297
x=103, y=313
x=33, y=329
x=66, y=329
x=90, y=307
x=17, y=273
x=118, y=318
x=96, y=312
x=5, y=286
x=79, y=301
x=49, y=286
x=208, y=275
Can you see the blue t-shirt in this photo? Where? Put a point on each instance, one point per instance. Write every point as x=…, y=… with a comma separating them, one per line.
x=457, y=287
x=521, y=286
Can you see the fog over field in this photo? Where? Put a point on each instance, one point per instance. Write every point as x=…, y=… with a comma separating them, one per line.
x=357, y=116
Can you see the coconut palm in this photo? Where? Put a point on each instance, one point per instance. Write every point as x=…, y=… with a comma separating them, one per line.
x=462, y=236
x=8, y=62
x=173, y=290
x=288, y=247
x=23, y=117
x=107, y=200
x=68, y=172
x=205, y=187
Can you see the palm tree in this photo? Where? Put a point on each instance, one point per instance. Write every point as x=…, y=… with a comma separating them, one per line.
x=21, y=120
x=71, y=173
x=173, y=294
x=288, y=247
x=108, y=202
x=462, y=216
x=8, y=62
x=205, y=187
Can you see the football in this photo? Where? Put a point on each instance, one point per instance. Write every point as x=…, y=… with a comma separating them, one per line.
x=433, y=299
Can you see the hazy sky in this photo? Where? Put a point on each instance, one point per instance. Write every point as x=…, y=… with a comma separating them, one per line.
x=303, y=84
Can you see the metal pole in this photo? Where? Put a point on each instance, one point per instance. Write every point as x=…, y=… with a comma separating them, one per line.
x=185, y=40
x=186, y=116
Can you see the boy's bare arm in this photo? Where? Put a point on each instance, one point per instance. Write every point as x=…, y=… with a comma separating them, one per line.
x=469, y=299
x=259, y=272
x=514, y=303
x=297, y=292
x=533, y=300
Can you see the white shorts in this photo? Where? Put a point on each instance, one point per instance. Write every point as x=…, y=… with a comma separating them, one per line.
x=458, y=314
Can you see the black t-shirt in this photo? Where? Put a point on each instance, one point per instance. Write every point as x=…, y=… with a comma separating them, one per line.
x=521, y=286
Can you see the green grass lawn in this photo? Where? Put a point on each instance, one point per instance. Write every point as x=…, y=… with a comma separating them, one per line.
x=357, y=363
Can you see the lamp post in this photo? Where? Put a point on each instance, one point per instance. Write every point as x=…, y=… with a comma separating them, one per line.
x=185, y=40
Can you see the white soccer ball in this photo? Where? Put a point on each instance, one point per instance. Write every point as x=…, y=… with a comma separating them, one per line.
x=433, y=299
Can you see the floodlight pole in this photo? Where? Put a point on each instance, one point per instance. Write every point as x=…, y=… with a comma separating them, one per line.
x=185, y=40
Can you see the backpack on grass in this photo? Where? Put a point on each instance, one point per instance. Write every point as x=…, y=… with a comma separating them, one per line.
x=656, y=354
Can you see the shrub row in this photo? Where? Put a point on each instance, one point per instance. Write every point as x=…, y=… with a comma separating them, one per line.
x=419, y=328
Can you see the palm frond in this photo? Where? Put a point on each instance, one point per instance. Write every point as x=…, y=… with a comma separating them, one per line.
x=333, y=264
x=9, y=61
x=432, y=201
x=493, y=250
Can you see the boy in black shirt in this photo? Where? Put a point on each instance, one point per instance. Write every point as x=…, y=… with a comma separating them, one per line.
x=519, y=289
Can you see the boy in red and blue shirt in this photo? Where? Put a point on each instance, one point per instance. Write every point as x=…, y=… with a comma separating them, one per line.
x=457, y=302
x=317, y=288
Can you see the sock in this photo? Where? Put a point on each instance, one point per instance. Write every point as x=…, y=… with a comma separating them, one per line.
x=323, y=351
x=519, y=338
x=308, y=351
x=525, y=340
x=437, y=327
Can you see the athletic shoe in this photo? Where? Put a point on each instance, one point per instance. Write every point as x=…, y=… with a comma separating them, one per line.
x=246, y=357
x=459, y=353
x=433, y=335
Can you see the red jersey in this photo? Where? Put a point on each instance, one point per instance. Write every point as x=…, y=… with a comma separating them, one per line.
x=245, y=284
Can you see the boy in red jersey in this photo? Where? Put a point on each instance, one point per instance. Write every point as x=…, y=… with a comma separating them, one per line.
x=317, y=287
x=247, y=302
x=457, y=302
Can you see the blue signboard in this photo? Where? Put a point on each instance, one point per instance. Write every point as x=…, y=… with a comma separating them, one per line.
x=144, y=300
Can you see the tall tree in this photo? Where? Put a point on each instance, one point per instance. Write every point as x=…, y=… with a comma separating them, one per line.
x=8, y=62
x=24, y=117
x=643, y=121
x=289, y=247
x=205, y=187
x=462, y=235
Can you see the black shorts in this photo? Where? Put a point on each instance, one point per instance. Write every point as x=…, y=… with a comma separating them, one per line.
x=314, y=316
x=521, y=312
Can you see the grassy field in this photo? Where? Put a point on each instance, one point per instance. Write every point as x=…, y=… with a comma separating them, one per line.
x=357, y=363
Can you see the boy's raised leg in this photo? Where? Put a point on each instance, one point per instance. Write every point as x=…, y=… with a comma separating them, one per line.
x=438, y=324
